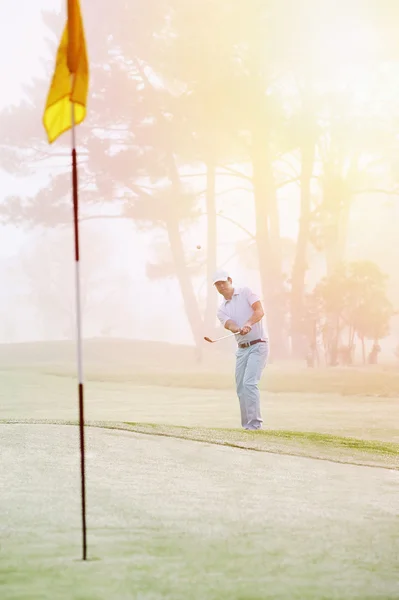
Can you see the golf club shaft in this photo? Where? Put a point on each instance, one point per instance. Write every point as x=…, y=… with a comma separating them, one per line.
x=226, y=336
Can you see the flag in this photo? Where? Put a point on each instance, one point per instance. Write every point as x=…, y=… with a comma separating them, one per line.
x=70, y=82
x=65, y=108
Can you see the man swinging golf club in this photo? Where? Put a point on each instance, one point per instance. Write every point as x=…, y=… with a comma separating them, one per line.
x=241, y=313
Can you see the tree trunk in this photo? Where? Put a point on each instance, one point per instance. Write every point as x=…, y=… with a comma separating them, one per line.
x=333, y=340
x=300, y=263
x=347, y=200
x=274, y=221
x=269, y=259
x=183, y=276
x=343, y=230
x=363, y=350
x=337, y=247
x=211, y=259
x=172, y=225
x=189, y=298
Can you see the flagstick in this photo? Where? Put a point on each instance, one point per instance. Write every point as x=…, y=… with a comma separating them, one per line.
x=79, y=331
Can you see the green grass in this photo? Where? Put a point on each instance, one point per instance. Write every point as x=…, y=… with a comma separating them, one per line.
x=183, y=504
x=32, y=394
x=314, y=445
x=336, y=441
x=171, y=519
x=295, y=443
x=167, y=365
x=345, y=383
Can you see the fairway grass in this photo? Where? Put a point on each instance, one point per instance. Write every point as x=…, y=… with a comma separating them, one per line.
x=346, y=382
x=39, y=396
x=167, y=365
x=183, y=504
x=174, y=519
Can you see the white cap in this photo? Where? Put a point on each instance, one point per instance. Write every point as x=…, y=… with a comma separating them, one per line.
x=220, y=276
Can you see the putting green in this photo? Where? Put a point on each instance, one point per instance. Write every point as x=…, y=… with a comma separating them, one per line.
x=177, y=519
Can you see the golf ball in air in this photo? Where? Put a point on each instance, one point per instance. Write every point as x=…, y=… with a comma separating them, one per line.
x=198, y=247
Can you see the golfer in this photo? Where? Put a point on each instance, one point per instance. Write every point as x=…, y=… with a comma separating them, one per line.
x=241, y=312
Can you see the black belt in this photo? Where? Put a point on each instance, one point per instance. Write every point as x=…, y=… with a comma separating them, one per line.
x=247, y=344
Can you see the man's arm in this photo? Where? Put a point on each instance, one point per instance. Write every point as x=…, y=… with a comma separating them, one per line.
x=227, y=323
x=231, y=326
x=257, y=315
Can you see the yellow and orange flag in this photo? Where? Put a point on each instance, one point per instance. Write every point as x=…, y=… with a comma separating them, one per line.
x=70, y=82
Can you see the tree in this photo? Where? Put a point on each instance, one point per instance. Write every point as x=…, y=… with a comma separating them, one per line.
x=305, y=132
x=354, y=300
x=312, y=326
x=137, y=166
x=223, y=62
x=369, y=308
x=145, y=122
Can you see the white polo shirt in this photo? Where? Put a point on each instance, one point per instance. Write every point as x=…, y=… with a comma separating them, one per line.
x=239, y=309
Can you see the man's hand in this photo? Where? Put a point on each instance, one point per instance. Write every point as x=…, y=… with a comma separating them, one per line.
x=246, y=329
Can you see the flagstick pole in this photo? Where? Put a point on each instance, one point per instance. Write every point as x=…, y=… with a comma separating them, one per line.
x=79, y=332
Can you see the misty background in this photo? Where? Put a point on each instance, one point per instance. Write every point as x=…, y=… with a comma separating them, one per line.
x=266, y=134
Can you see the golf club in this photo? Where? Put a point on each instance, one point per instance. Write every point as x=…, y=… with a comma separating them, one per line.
x=221, y=338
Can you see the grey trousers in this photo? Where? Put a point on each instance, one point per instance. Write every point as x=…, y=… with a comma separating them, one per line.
x=250, y=363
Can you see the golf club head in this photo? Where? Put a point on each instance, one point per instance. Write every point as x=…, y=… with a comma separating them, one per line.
x=207, y=339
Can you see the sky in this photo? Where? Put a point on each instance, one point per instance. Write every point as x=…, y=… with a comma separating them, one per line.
x=21, y=49
x=21, y=41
